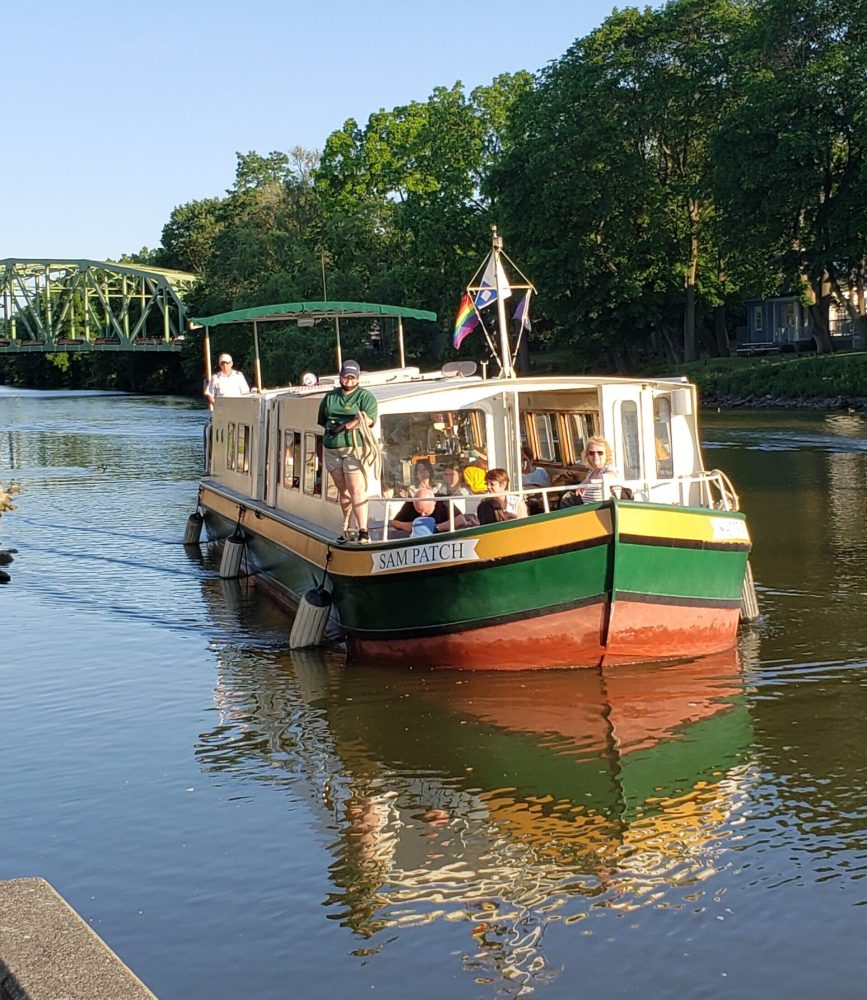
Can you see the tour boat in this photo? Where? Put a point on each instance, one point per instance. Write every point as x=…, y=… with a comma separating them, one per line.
x=660, y=576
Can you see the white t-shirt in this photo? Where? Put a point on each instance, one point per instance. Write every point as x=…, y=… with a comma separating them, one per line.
x=591, y=486
x=233, y=384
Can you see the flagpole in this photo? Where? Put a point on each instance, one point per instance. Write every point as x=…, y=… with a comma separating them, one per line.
x=505, y=349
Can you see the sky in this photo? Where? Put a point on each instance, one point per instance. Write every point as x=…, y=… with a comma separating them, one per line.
x=116, y=113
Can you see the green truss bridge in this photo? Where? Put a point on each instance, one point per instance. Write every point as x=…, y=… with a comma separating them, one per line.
x=90, y=305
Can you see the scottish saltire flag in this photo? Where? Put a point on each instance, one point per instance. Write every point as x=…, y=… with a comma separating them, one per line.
x=522, y=313
x=488, y=291
x=465, y=322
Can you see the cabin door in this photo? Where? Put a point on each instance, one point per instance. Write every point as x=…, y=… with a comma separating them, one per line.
x=272, y=453
x=624, y=426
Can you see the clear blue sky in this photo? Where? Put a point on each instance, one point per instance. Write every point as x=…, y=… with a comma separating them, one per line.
x=114, y=113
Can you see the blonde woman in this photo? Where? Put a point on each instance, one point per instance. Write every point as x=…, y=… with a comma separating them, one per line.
x=599, y=457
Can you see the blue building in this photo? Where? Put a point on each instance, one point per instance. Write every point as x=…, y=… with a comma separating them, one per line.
x=784, y=323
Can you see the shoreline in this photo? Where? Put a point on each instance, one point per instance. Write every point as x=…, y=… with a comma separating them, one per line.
x=845, y=404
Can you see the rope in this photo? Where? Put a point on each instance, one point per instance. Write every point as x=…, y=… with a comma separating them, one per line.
x=368, y=454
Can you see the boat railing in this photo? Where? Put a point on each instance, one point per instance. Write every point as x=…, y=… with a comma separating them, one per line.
x=462, y=505
x=714, y=487
x=458, y=506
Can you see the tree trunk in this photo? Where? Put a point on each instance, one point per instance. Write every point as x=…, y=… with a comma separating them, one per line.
x=820, y=310
x=670, y=342
x=720, y=333
x=689, y=351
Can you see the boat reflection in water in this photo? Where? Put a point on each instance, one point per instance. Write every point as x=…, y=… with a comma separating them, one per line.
x=504, y=801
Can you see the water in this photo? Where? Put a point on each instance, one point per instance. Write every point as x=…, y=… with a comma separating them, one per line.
x=237, y=820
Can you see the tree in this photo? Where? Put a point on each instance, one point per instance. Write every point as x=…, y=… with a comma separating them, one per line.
x=604, y=179
x=791, y=165
x=411, y=180
x=188, y=237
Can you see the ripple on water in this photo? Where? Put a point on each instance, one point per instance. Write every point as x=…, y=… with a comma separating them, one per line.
x=231, y=814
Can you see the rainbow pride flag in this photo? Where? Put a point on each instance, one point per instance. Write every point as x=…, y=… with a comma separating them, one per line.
x=465, y=322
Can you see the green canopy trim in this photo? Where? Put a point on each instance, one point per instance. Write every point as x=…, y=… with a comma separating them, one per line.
x=293, y=311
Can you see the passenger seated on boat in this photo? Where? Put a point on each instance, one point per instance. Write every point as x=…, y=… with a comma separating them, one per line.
x=602, y=475
x=424, y=504
x=500, y=506
x=531, y=474
x=451, y=484
x=422, y=475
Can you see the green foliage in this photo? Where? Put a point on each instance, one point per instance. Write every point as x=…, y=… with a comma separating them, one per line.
x=604, y=184
x=783, y=377
x=188, y=237
x=791, y=154
x=149, y=372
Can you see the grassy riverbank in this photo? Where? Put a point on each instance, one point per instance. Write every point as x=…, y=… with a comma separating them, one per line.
x=833, y=381
x=836, y=381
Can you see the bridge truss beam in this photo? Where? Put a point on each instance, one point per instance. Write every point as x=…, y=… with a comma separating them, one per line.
x=81, y=305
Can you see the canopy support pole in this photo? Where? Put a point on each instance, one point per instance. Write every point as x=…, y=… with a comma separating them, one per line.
x=400, y=341
x=208, y=360
x=256, y=349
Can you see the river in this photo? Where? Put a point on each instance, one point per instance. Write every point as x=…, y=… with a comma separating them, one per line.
x=236, y=820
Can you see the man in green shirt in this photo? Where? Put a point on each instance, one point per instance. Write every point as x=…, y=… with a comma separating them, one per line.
x=348, y=413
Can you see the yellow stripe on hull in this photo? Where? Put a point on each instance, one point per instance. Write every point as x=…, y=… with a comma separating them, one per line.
x=524, y=538
x=681, y=524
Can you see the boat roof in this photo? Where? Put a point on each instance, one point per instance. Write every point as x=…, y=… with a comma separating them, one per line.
x=313, y=311
x=481, y=388
x=404, y=384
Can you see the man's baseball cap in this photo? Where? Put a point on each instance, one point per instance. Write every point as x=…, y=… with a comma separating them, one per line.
x=350, y=368
x=225, y=357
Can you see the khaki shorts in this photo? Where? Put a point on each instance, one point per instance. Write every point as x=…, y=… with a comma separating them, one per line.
x=342, y=460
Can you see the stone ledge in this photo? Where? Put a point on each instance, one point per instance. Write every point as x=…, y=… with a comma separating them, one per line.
x=48, y=951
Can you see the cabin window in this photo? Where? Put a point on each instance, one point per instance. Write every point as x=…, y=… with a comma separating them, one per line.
x=243, y=460
x=313, y=464
x=662, y=437
x=547, y=433
x=583, y=427
x=630, y=434
x=292, y=460
x=408, y=439
x=230, y=446
x=758, y=319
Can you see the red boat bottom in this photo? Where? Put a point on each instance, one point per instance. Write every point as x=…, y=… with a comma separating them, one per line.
x=645, y=630
x=567, y=639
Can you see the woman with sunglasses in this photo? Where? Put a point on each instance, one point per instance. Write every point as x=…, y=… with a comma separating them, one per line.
x=348, y=412
x=599, y=457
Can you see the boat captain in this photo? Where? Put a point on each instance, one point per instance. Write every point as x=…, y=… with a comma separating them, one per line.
x=225, y=382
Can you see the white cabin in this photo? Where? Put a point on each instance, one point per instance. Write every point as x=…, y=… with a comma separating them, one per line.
x=268, y=447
